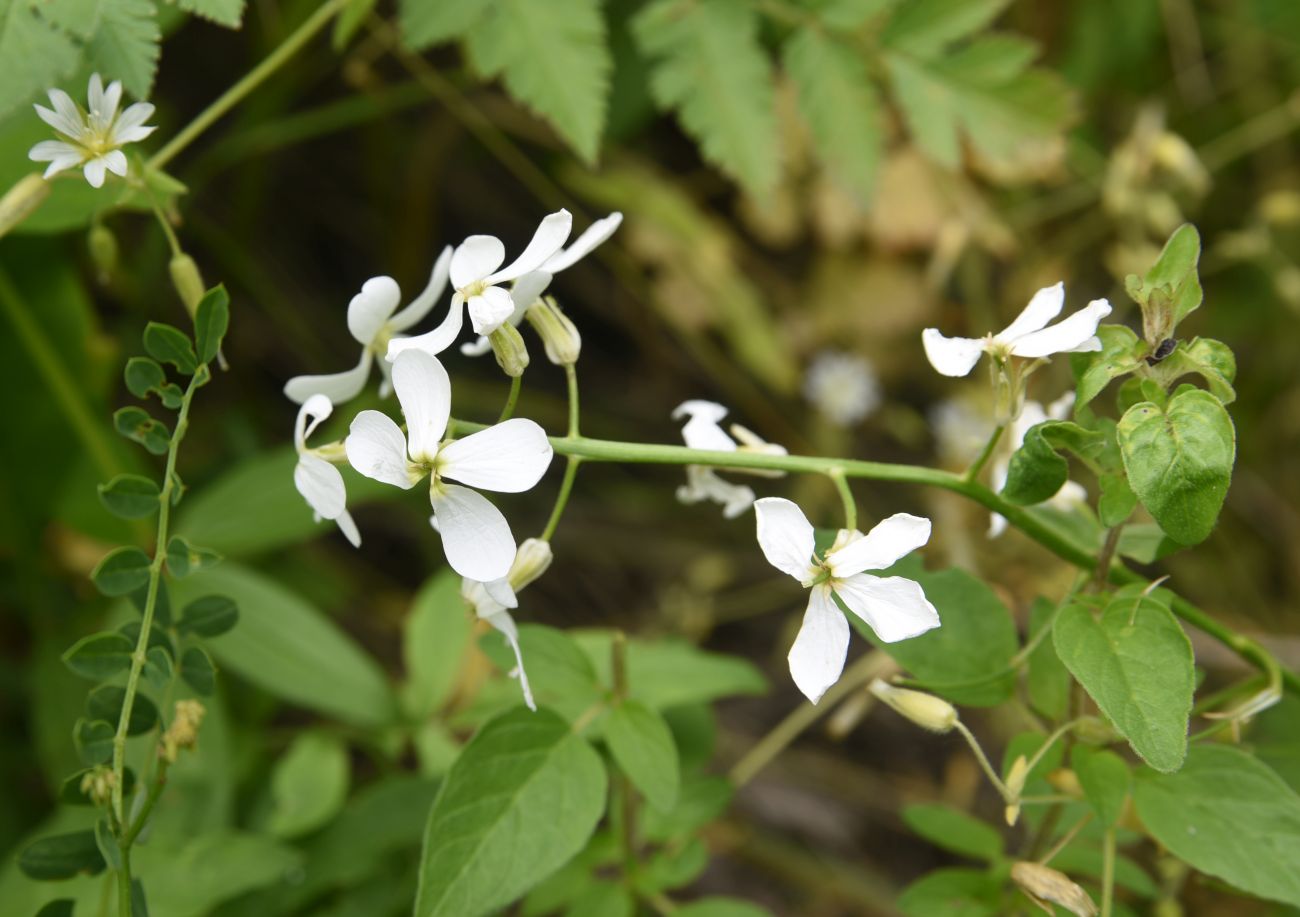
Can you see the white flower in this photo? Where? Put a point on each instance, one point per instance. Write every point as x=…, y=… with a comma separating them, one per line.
x=475, y=275
x=319, y=482
x=91, y=139
x=703, y=430
x=492, y=600
x=959, y=429
x=529, y=287
x=842, y=386
x=1071, y=493
x=893, y=606
x=373, y=320
x=1028, y=336
x=508, y=458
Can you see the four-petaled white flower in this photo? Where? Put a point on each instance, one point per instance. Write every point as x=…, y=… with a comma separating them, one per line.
x=1071, y=493
x=703, y=430
x=509, y=457
x=91, y=139
x=842, y=386
x=893, y=606
x=373, y=320
x=319, y=482
x=1028, y=336
x=475, y=275
x=529, y=287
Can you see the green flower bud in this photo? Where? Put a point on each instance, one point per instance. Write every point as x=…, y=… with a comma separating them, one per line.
x=558, y=334
x=925, y=710
x=509, y=349
x=531, y=561
x=26, y=195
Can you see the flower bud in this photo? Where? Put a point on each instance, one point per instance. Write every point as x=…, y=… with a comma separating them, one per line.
x=1044, y=884
x=531, y=561
x=559, y=335
x=103, y=251
x=1066, y=782
x=509, y=349
x=183, y=732
x=188, y=281
x=925, y=710
x=26, y=195
x=1015, y=783
x=98, y=784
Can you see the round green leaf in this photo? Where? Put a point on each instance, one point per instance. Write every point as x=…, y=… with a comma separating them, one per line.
x=210, y=322
x=642, y=744
x=309, y=784
x=209, y=616
x=122, y=570
x=198, y=671
x=955, y=831
x=94, y=741
x=130, y=496
x=62, y=856
x=168, y=344
x=136, y=425
x=105, y=703
x=99, y=656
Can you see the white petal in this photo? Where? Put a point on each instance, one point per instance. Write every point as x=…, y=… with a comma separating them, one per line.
x=112, y=99
x=115, y=161
x=321, y=485
x=475, y=536
x=490, y=310
x=337, y=387
x=131, y=126
x=377, y=449
x=526, y=290
x=509, y=457
x=439, y=339
x=596, y=233
x=702, y=430
x=499, y=591
x=369, y=309
x=704, y=484
x=421, y=305
x=1045, y=305
x=62, y=164
x=94, y=171
x=506, y=624
x=1060, y=408
x=895, y=607
x=318, y=408
x=474, y=259
x=349, y=528
x=1076, y=333
x=786, y=537
x=997, y=525
x=476, y=347
x=64, y=118
x=951, y=356
x=550, y=235
x=95, y=91
x=52, y=151
x=890, y=539
x=817, y=657
x=424, y=391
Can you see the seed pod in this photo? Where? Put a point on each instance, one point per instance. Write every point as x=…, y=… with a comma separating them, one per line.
x=188, y=281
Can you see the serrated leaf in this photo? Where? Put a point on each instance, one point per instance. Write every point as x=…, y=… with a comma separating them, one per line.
x=105, y=703
x=955, y=831
x=926, y=26
x=643, y=746
x=1135, y=661
x=309, y=785
x=209, y=616
x=839, y=102
x=211, y=319
x=169, y=344
x=551, y=56
x=34, y=55
x=198, y=671
x=424, y=23
x=125, y=45
x=711, y=69
x=523, y=797
x=123, y=570
x=99, y=656
x=184, y=558
x=136, y=425
x=62, y=856
x=130, y=496
x=1179, y=461
x=846, y=14
x=223, y=12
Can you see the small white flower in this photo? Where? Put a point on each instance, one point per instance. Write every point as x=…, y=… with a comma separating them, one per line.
x=91, y=139
x=319, y=482
x=842, y=386
x=508, y=457
x=1028, y=336
x=373, y=320
x=959, y=429
x=1071, y=493
x=703, y=430
x=529, y=287
x=475, y=275
x=893, y=606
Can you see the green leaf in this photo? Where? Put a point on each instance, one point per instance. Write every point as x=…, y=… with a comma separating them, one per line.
x=1212, y=360
x=551, y=56
x=99, y=656
x=211, y=320
x=1121, y=353
x=435, y=640
x=839, y=102
x=711, y=69
x=701, y=800
x=168, y=344
x=136, y=425
x=121, y=571
x=1117, y=500
x=561, y=675
x=62, y=856
x=355, y=13
x=198, y=671
x=424, y=24
x=208, y=616
x=1105, y=778
x=158, y=668
x=719, y=906
x=130, y=496
x=1047, y=682
x=34, y=55
x=1173, y=278
x=184, y=558
x=107, y=844
x=669, y=673
x=927, y=26
x=953, y=892
x=603, y=898
x=1146, y=543
x=846, y=14
x=1135, y=661
x=524, y=797
x=286, y=646
x=955, y=831
x=125, y=46
x=1228, y=815
x=59, y=908
x=94, y=741
x=223, y=12
x=309, y=785
x=1179, y=461
x=105, y=703
x=1036, y=471
x=642, y=744
x=143, y=376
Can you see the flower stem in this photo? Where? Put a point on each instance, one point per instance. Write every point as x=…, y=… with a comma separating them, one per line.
x=984, y=763
x=1108, y=873
x=977, y=466
x=571, y=467
x=846, y=497
x=254, y=78
x=571, y=381
x=516, y=383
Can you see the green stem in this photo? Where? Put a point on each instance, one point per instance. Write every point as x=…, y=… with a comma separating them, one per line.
x=571, y=467
x=571, y=385
x=977, y=466
x=124, y=886
x=846, y=497
x=516, y=383
x=151, y=595
x=984, y=763
x=155, y=790
x=1050, y=741
x=254, y=78
x=1108, y=873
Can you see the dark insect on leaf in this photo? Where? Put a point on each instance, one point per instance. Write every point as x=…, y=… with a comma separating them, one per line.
x=1165, y=349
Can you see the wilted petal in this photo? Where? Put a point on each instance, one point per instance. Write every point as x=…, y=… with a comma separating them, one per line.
x=550, y=235
x=337, y=387
x=817, y=657
x=951, y=356
x=474, y=259
x=889, y=540
x=475, y=536
x=1076, y=333
x=421, y=305
x=895, y=607
x=377, y=449
x=369, y=309
x=321, y=485
x=786, y=537
x=490, y=310
x=596, y=233
x=509, y=457
x=506, y=625
x=439, y=339
x=1045, y=305
x=424, y=391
